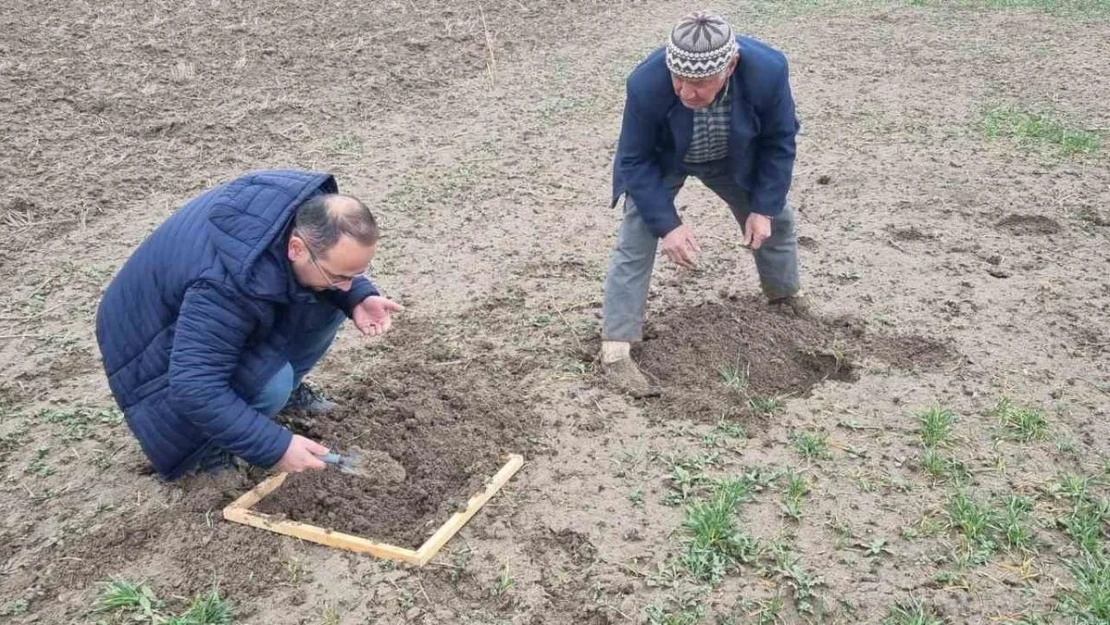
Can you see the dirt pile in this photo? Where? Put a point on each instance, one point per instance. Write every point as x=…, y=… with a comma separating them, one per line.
x=446, y=423
x=735, y=358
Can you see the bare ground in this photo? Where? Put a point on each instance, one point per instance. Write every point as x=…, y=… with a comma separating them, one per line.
x=483, y=137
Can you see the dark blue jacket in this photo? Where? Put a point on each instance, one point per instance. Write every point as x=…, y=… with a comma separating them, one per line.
x=657, y=129
x=201, y=316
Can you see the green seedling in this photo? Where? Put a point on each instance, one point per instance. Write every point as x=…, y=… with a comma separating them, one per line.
x=637, y=497
x=1016, y=533
x=1089, y=602
x=945, y=469
x=735, y=377
x=811, y=445
x=977, y=523
x=504, y=581
x=796, y=489
x=911, y=612
x=210, y=609
x=1084, y=525
x=1020, y=423
x=714, y=543
x=935, y=426
x=124, y=596
x=876, y=548
x=765, y=406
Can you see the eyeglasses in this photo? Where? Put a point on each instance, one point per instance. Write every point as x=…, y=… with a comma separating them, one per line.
x=334, y=280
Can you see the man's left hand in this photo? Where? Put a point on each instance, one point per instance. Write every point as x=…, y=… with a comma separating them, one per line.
x=372, y=315
x=756, y=230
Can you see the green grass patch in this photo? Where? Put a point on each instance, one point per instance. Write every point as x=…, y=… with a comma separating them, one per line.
x=135, y=599
x=1020, y=423
x=688, y=478
x=207, y=610
x=944, y=468
x=811, y=445
x=977, y=522
x=1071, y=487
x=131, y=602
x=1039, y=128
x=714, y=542
x=735, y=377
x=1084, y=525
x=1089, y=602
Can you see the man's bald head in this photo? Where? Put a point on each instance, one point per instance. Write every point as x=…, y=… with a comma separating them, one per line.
x=324, y=219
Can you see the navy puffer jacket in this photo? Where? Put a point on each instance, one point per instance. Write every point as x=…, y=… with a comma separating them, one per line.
x=202, y=315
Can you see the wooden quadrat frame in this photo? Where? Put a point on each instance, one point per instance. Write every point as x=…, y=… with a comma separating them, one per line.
x=240, y=511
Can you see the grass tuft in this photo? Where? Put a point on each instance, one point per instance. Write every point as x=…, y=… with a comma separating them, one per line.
x=797, y=487
x=1020, y=423
x=715, y=544
x=976, y=522
x=942, y=468
x=1089, y=602
x=1016, y=533
x=936, y=426
x=124, y=596
x=911, y=612
x=812, y=445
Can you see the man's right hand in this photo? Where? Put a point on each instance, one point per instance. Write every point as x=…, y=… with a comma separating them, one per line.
x=680, y=246
x=301, y=455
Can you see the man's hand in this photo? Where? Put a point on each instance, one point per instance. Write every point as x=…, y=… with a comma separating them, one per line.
x=756, y=230
x=372, y=315
x=680, y=246
x=301, y=455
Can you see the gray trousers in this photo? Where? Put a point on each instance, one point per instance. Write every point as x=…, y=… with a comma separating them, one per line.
x=629, y=275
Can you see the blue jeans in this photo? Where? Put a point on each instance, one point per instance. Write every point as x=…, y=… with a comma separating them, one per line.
x=309, y=347
x=629, y=276
x=307, y=350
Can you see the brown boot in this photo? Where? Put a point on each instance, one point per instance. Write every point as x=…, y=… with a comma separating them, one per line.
x=622, y=373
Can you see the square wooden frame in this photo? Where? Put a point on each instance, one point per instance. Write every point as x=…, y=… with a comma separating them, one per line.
x=240, y=511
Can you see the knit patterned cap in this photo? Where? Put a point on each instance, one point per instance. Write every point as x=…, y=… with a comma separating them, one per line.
x=701, y=45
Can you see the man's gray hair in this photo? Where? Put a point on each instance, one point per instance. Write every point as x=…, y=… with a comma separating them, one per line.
x=323, y=219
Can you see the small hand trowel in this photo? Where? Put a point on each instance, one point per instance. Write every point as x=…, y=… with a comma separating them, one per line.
x=348, y=464
x=374, y=464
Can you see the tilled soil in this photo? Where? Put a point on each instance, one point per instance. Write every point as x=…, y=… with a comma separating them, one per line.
x=447, y=424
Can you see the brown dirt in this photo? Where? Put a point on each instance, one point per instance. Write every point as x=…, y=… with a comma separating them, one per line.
x=446, y=424
x=712, y=358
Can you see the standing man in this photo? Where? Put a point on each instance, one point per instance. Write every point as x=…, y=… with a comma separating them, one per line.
x=718, y=107
x=210, y=326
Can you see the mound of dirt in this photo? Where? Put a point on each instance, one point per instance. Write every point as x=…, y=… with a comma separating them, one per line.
x=730, y=359
x=447, y=424
x=1029, y=225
